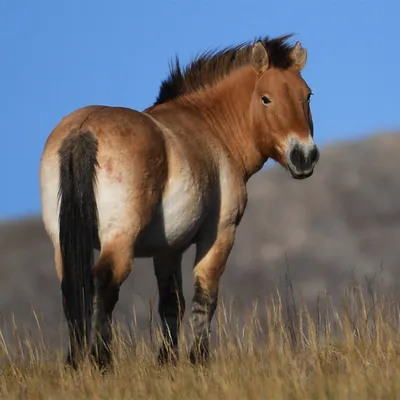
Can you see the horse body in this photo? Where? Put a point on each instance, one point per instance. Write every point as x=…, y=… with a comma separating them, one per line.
x=149, y=184
x=180, y=198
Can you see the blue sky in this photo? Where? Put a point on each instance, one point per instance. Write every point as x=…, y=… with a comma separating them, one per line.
x=57, y=56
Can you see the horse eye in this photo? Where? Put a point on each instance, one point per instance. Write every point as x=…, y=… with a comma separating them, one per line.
x=265, y=100
x=309, y=96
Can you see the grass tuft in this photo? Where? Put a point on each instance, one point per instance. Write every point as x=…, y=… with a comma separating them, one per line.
x=278, y=351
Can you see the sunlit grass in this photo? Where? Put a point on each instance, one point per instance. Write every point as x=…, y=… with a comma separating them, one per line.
x=278, y=351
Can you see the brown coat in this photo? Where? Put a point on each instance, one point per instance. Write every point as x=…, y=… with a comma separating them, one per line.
x=173, y=175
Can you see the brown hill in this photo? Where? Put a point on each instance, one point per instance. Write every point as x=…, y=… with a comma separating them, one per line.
x=344, y=220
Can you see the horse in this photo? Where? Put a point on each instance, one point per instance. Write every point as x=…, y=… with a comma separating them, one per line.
x=152, y=183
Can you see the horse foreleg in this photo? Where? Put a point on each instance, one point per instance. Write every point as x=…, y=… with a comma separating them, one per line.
x=211, y=256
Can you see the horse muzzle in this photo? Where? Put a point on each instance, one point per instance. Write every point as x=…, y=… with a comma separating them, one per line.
x=301, y=159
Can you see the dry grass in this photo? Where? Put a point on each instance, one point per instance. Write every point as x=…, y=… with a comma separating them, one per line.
x=280, y=352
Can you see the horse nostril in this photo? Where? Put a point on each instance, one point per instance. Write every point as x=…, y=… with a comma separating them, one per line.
x=314, y=155
x=297, y=157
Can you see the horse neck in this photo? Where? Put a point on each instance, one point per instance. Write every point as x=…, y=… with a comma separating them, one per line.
x=225, y=108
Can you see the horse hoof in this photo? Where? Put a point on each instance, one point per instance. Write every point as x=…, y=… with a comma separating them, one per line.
x=168, y=356
x=70, y=362
x=199, y=357
x=102, y=360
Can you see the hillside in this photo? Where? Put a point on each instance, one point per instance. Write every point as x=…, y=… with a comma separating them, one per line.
x=343, y=221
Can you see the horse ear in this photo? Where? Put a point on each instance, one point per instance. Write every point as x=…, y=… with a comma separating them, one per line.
x=259, y=57
x=299, y=56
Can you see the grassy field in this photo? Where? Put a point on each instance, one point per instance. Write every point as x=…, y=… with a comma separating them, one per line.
x=280, y=352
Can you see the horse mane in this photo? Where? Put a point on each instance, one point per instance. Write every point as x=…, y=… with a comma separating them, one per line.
x=211, y=66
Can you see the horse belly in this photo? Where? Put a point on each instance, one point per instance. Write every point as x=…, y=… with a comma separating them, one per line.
x=175, y=222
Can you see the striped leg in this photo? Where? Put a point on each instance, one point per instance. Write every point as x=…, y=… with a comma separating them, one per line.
x=211, y=257
x=113, y=267
x=171, y=306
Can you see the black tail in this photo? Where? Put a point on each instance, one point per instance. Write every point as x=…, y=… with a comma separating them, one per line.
x=78, y=232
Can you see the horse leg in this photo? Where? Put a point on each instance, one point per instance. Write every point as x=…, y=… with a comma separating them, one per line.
x=171, y=306
x=211, y=256
x=111, y=270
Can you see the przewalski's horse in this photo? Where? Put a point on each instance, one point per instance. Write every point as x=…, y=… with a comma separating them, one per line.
x=152, y=183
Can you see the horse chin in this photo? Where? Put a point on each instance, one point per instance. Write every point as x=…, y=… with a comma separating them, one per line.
x=299, y=175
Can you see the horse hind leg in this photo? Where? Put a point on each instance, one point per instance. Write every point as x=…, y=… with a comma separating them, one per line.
x=111, y=270
x=171, y=306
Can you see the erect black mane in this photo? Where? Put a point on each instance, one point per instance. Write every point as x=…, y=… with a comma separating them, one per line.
x=209, y=67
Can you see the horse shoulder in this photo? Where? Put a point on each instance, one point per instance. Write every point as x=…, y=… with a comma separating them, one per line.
x=233, y=193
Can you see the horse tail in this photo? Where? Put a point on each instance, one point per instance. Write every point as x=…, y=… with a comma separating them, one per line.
x=78, y=227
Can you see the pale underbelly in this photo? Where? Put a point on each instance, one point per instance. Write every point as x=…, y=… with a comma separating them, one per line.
x=159, y=238
x=173, y=228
